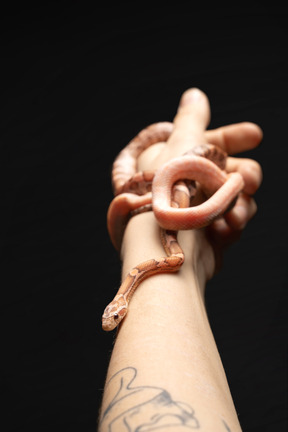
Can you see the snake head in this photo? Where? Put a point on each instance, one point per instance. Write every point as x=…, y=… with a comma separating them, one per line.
x=114, y=313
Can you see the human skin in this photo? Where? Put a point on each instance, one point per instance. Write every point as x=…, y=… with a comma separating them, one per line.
x=165, y=372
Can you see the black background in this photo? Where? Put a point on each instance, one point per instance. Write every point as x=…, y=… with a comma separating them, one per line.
x=77, y=84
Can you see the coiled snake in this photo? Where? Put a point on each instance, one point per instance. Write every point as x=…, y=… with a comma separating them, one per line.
x=169, y=192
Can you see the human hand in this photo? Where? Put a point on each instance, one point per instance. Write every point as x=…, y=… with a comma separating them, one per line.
x=190, y=125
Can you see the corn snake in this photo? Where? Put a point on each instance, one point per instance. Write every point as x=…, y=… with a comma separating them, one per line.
x=169, y=192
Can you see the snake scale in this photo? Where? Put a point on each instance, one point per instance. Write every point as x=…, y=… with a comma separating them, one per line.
x=169, y=193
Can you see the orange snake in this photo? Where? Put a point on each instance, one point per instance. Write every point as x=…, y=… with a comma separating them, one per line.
x=169, y=193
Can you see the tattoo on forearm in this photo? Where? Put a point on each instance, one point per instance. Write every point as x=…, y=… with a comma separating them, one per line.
x=226, y=426
x=143, y=408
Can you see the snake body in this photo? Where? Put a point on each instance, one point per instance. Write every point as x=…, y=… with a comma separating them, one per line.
x=169, y=193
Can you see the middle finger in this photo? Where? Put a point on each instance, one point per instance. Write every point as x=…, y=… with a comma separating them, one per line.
x=190, y=122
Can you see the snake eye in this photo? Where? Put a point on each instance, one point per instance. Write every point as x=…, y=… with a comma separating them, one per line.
x=116, y=316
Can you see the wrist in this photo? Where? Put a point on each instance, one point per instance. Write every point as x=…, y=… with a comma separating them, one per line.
x=142, y=242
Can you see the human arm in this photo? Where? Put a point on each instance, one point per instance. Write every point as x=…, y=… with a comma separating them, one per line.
x=165, y=371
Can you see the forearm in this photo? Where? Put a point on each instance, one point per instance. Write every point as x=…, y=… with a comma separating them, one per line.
x=165, y=367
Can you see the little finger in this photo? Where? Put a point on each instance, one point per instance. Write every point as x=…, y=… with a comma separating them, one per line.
x=249, y=169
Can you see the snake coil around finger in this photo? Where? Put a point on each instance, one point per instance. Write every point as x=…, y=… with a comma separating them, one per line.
x=169, y=193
